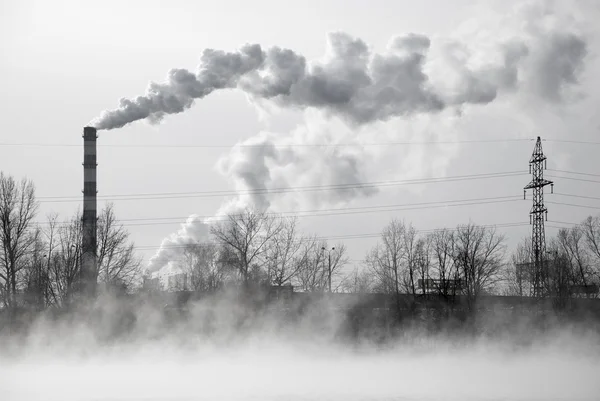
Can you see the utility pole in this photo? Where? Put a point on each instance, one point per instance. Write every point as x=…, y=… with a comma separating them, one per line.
x=329, y=269
x=537, y=165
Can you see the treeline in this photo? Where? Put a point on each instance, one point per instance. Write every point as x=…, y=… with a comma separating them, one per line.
x=40, y=263
x=468, y=261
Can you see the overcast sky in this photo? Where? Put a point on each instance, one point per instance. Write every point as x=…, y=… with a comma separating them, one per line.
x=64, y=62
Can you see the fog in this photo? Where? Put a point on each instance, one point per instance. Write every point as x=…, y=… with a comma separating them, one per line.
x=220, y=350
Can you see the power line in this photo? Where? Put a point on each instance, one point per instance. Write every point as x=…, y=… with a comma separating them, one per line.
x=572, y=141
x=563, y=222
x=197, y=146
x=292, y=145
x=328, y=212
x=578, y=196
x=332, y=187
x=574, y=172
x=340, y=237
x=574, y=205
x=574, y=179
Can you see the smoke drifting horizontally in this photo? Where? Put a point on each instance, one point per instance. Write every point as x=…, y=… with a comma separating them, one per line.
x=363, y=86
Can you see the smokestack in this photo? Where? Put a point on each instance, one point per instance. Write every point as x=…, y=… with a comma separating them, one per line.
x=88, y=273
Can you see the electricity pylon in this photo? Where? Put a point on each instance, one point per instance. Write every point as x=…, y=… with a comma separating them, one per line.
x=539, y=271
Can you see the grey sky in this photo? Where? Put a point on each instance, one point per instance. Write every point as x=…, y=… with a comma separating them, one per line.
x=64, y=62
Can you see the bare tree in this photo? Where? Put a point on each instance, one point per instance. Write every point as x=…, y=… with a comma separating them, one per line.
x=517, y=276
x=64, y=261
x=35, y=278
x=571, y=242
x=284, y=253
x=478, y=253
x=385, y=259
x=200, y=262
x=311, y=275
x=410, y=257
x=358, y=281
x=314, y=269
x=591, y=231
x=443, y=267
x=560, y=273
x=18, y=208
x=248, y=236
x=422, y=259
x=335, y=259
x=117, y=263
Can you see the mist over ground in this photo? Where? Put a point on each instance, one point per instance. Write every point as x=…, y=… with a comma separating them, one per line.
x=225, y=347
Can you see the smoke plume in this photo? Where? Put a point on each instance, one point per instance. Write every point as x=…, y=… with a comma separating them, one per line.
x=354, y=82
x=192, y=231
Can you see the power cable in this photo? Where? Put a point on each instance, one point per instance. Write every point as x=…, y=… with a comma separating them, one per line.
x=338, y=237
x=332, y=187
x=577, y=196
x=197, y=146
x=574, y=205
x=327, y=212
x=572, y=141
x=573, y=179
x=575, y=172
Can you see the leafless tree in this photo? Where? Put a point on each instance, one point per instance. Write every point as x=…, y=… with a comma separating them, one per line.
x=285, y=254
x=335, y=259
x=313, y=272
x=478, y=253
x=560, y=273
x=571, y=241
x=386, y=258
x=64, y=261
x=422, y=259
x=35, y=277
x=443, y=267
x=200, y=263
x=410, y=257
x=591, y=231
x=358, y=281
x=118, y=264
x=516, y=276
x=18, y=208
x=248, y=236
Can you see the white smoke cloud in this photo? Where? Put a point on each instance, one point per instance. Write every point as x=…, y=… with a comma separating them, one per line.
x=354, y=82
x=268, y=168
x=194, y=230
x=361, y=96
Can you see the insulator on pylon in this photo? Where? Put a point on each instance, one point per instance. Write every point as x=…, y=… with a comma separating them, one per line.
x=529, y=168
x=524, y=194
x=545, y=164
x=546, y=215
x=552, y=188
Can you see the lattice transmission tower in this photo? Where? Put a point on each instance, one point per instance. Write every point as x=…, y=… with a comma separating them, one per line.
x=539, y=269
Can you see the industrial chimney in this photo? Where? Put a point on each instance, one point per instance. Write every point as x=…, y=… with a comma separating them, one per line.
x=89, y=272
